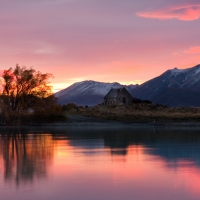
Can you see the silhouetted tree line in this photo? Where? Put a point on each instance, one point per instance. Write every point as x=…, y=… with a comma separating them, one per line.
x=137, y=101
x=72, y=106
x=148, y=102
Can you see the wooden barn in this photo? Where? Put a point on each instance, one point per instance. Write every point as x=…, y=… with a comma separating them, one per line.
x=117, y=96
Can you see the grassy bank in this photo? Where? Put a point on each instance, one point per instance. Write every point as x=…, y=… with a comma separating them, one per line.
x=139, y=113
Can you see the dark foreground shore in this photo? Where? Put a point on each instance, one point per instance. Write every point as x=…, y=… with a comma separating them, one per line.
x=81, y=121
x=136, y=115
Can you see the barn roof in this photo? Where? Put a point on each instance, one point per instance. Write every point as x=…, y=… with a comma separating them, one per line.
x=113, y=93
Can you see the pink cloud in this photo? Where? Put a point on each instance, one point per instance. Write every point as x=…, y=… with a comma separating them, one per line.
x=193, y=50
x=184, y=13
x=176, y=54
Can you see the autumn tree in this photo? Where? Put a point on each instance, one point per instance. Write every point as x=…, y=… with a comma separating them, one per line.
x=24, y=88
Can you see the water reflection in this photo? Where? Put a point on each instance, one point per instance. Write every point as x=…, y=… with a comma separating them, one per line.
x=27, y=153
x=102, y=163
x=170, y=144
x=26, y=156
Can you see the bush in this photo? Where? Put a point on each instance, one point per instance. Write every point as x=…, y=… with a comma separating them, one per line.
x=136, y=101
x=69, y=106
x=47, y=117
x=147, y=101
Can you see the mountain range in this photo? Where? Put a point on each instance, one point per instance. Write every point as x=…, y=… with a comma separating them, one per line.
x=174, y=88
x=88, y=93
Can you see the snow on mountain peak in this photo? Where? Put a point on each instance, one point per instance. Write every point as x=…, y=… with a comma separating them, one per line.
x=176, y=70
x=195, y=69
x=93, y=87
x=87, y=92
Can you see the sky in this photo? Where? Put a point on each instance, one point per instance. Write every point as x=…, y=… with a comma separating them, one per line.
x=125, y=41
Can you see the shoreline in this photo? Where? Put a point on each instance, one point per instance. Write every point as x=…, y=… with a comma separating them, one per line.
x=194, y=124
x=111, y=124
x=92, y=121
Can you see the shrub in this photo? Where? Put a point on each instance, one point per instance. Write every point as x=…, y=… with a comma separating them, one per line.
x=69, y=106
x=136, y=101
x=147, y=101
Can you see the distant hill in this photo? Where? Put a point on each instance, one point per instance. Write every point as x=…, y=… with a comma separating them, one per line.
x=174, y=88
x=87, y=92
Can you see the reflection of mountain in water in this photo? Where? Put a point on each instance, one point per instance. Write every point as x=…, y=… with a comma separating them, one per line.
x=175, y=151
x=88, y=143
x=25, y=156
x=171, y=144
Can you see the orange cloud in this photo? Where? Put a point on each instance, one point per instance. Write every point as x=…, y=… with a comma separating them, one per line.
x=184, y=13
x=193, y=50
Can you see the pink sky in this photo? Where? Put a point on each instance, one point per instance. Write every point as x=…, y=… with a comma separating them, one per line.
x=111, y=41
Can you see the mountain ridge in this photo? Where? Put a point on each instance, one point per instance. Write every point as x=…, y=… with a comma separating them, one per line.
x=88, y=92
x=174, y=88
x=181, y=80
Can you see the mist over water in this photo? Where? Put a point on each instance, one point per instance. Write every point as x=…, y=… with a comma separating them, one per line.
x=99, y=163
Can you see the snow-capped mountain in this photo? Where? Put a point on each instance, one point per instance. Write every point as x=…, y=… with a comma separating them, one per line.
x=176, y=87
x=87, y=92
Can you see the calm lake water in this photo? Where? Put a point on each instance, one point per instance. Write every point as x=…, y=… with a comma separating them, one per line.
x=83, y=163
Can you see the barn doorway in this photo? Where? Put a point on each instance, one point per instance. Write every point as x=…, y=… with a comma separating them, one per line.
x=124, y=100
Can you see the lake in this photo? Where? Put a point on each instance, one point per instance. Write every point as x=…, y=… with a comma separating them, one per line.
x=99, y=163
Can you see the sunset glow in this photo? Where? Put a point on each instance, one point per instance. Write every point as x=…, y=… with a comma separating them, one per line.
x=54, y=165
x=128, y=42
x=136, y=166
